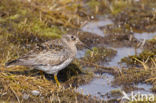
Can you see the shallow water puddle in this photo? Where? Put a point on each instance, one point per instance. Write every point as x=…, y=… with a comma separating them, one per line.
x=121, y=53
x=94, y=27
x=144, y=88
x=143, y=92
x=127, y=51
x=99, y=87
x=144, y=36
x=81, y=53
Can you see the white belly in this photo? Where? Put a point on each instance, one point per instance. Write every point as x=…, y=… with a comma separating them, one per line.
x=55, y=69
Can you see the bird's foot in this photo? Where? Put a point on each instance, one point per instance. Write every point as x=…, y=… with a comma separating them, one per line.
x=56, y=80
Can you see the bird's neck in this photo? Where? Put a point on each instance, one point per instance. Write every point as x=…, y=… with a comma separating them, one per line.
x=71, y=46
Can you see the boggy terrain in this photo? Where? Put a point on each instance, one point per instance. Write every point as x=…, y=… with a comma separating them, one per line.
x=26, y=23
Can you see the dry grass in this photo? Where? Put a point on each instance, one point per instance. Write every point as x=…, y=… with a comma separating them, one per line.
x=23, y=25
x=146, y=74
x=14, y=85
x=17, y=82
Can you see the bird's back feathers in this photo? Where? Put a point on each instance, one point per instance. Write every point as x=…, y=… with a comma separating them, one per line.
x=51, y=53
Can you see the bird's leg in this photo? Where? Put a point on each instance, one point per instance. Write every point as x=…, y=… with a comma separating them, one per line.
x=42, y=75
x=57, y=82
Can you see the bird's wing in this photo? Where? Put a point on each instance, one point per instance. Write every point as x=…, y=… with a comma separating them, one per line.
x=48, y=53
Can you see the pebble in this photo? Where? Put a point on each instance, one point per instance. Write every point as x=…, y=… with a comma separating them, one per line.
x=92, y=17
x=25, y=96
x=35, y=92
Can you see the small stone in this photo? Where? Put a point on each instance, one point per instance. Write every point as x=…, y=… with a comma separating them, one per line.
x=35, y=92
x=41, y=98
x=92, y=17
x=25, y=96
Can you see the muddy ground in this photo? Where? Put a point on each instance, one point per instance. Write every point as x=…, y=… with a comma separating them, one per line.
x=112, y=32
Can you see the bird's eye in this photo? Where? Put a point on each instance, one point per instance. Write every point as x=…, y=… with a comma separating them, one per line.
x=72, y=37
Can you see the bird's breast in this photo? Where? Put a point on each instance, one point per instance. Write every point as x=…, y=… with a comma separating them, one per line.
x=55, y=68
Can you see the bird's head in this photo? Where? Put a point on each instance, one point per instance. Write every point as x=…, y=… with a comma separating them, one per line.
x=73, y=39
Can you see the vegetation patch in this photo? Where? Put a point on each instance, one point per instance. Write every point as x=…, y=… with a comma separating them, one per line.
x=138, y=16
x=23, y=25
x=99, y=55
x=131, y=76
x=21, y=84
x=26, y=23
x=147, y=55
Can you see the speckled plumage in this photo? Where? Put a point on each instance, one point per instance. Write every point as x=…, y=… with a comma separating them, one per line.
x=51, y=56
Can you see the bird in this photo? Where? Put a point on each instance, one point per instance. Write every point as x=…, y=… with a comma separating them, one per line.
x=51, y=56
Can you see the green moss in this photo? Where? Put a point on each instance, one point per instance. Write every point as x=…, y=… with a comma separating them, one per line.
x=118, y=6
x=93, y=3
x=39, y=28
x=116, y=93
